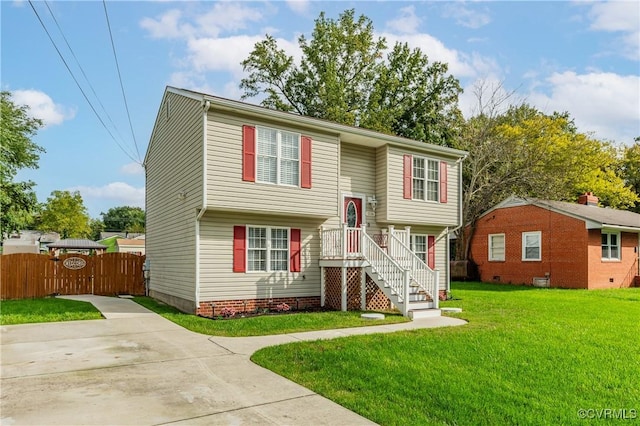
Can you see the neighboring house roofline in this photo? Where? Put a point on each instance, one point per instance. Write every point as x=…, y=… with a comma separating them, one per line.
x=593, y=217
x=356, y=134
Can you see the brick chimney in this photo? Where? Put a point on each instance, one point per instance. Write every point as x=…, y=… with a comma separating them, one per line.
x=588, y=199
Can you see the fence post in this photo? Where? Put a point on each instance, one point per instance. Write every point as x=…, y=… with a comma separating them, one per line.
x=436, y=299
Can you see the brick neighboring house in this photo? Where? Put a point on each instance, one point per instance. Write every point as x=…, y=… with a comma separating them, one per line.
x=558, y=244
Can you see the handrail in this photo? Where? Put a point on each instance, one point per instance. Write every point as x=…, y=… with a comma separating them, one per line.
x=426, y=278
x=396, y=277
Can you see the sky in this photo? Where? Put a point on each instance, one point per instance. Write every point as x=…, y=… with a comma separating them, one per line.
x=580, y=57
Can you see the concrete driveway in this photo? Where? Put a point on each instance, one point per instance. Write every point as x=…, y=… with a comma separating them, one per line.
x=137, y=368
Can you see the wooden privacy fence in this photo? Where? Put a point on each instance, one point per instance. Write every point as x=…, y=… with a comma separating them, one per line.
x=27, y=275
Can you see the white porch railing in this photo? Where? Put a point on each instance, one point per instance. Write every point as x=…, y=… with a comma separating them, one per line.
x=426, y=278
x=342, y=242
x=391, y=272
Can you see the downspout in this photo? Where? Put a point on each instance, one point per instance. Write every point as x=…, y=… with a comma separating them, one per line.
x=459, y=225
x=205, y=108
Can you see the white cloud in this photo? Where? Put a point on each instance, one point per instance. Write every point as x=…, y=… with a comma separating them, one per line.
x=299, y=6
x=603, y=103
x=42, y=106
x=620, y=17
x=119, y=193
x=461, y=65
x=167, y=26
x=222, y=17
x=132, y=169
x=466, y=16
x=406, y=23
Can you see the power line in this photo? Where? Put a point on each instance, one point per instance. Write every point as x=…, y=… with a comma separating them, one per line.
x=135, y=143
x=78, y=84
x=82, y=70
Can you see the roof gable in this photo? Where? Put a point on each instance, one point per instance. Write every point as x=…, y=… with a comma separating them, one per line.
x=594, y=217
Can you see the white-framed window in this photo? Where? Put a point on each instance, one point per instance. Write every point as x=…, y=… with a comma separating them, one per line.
x=426, y=179
x=611, y=246
x=496, y=247
x=278, y=156
x=532, y=245
x=419, y=246
x=267, y=249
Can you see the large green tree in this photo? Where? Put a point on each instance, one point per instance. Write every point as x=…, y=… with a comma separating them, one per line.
x=124, y=218
x=630, y=170
x=65, y=213
x=17, y=151
x=518, y=150
x=347, y=75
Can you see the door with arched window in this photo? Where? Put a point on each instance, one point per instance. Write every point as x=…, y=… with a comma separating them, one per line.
x=352, y=218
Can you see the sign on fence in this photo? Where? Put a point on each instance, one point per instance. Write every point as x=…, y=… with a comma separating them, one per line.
x=27, y=275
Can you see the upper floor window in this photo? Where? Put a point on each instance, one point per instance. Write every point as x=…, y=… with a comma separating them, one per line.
x=278, y=156
x=496, y=247
x=611, y=246
x=532, y=245
x=426, y=180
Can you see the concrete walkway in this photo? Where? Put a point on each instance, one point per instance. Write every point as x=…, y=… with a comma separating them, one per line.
x=137, y=368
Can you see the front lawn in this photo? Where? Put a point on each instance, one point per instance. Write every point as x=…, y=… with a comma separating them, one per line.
x=267, y=324
x=47, y=309
x=527, y=356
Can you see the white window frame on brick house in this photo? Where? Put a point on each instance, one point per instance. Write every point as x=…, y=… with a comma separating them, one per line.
x=274, y=149
x=526, y=245
x=493, y=246
x=272, y=245
x=426, y=179
x=607, y=246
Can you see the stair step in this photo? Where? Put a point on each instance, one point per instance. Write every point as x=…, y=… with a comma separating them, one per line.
x=420, y=305
x=424, y=313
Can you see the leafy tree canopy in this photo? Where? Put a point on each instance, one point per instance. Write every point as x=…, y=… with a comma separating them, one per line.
x=65, y=213
x=17, y=151
x=124, y=218
x=343, y=76
x=630, y=170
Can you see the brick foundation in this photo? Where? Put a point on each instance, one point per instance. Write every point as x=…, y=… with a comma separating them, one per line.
x=211, y=309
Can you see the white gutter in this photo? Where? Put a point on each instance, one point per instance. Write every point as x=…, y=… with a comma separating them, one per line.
x=205, y=107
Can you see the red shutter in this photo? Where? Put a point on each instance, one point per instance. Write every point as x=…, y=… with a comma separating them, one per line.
x=249, y=153
x=407, y=177
x=443, y=182
x=239, y=253
x=305, y=163
x=294, y=249
x=431, y=255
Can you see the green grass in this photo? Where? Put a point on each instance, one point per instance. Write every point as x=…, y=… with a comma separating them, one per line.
x=527, y=356
x=266, y=324
x=45, y=310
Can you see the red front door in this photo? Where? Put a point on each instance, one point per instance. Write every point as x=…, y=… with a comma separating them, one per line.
x=353, y=219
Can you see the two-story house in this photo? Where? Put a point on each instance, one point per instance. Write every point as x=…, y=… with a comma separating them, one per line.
x=249, y=207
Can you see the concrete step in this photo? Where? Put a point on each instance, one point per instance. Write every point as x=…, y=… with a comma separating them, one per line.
x=423, y=313
x=420, y=305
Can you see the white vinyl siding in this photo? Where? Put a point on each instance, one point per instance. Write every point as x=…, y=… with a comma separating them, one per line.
x=394, y=209
x=496, y=247
x=610, y=246
x=219, y=282
x=267, y=249
x=358, y=176
x=532, y=245
x=227, y=191
x=278, y=157
x=174, y=165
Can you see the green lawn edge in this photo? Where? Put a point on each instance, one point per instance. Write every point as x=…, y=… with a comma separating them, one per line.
x=265, y=325
x=527, y=356
x=48, y=309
